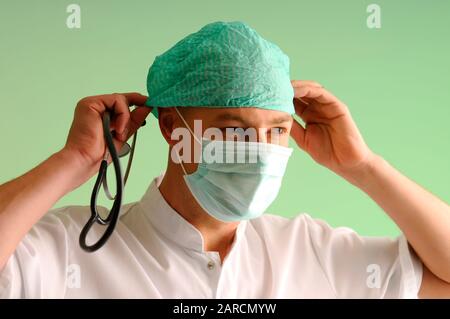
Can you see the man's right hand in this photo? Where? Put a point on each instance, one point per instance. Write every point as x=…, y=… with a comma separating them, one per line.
x=25, y=199
x=86, y=141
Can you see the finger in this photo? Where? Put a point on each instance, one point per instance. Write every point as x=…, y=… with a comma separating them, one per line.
x=123, y=117
x=300, y=83
x=116, y=103
x=318, y=94
x=137, y=118
x=298, y=134
x=300, y=105
x=119, y=104
x=134, y=98
x=121, y=113
x=303, y=107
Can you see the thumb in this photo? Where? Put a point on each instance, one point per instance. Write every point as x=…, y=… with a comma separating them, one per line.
x=137, y=118
x=298, y=134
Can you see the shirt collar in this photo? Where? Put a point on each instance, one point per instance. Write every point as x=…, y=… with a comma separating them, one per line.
x=171, y=224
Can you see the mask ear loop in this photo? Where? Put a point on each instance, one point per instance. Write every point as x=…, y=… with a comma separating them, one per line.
x=193, y=134
x=187, y=126
x=181, y=163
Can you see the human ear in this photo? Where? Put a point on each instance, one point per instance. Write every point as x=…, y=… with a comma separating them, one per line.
x=168, y=121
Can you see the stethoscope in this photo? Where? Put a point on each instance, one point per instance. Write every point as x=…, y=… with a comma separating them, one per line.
x=111, y=220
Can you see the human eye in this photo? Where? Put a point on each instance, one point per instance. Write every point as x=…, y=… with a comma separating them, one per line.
x=278, y=130
x=235, y=133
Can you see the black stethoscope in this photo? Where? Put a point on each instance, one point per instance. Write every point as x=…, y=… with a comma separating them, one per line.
x=111, y=220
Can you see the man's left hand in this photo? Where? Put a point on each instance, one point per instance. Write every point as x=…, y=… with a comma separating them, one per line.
x=330, y=136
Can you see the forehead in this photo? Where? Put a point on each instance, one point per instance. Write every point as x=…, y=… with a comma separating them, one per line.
x=248, y=116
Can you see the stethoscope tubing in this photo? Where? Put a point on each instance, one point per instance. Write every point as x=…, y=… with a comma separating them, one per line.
x=111, y=220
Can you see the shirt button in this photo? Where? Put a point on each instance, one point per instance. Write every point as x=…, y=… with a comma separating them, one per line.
x=210, y=265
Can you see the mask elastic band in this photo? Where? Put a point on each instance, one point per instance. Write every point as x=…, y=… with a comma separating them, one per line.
x=195, y=137
x=181, y=163
x=187, y=126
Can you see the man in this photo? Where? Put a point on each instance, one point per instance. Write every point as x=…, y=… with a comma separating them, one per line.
x=199, y=230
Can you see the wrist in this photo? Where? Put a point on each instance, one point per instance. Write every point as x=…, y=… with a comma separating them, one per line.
x=77, y=169
x=363, y=175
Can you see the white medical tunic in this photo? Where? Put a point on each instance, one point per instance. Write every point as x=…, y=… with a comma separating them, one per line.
x=156, y=253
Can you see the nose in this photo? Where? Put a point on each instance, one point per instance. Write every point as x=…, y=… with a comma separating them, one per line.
x=269, y=135
x=262, y=134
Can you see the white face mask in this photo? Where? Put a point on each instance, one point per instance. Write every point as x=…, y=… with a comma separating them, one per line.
x=240, y=189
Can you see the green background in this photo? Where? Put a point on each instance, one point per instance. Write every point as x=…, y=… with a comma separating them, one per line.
x=395, y=81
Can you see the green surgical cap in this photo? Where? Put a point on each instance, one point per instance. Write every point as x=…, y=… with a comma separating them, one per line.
x=224, y=64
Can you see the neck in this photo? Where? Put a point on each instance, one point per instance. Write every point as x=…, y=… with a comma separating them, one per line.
x=217, y=235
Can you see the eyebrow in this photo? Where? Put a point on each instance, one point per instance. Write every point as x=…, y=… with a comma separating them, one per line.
x=281, y=119
x=229, y=117
x=237, y=118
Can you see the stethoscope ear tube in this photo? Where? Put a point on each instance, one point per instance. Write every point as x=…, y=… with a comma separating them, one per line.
x=111, y=220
